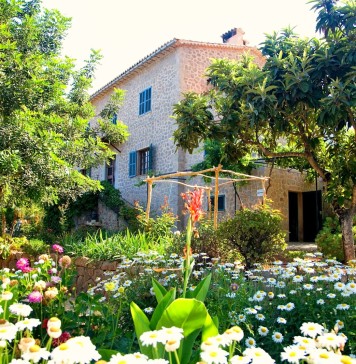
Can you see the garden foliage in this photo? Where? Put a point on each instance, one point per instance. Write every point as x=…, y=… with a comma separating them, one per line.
x=255, y=233
x=329, y=239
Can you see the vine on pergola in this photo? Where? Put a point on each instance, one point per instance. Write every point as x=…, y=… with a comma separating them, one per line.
x=217, y=170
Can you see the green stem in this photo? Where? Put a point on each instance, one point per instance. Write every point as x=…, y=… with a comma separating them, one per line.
x=187, y=259
x=176, y=356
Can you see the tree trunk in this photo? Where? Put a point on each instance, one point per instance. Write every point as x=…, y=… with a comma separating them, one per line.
x=346, y=223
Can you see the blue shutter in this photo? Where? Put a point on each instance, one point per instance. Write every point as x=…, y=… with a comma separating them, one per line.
x=150, y=158
x=141, y=103
x=132, y=164
x=114, y=119
x=148, y=99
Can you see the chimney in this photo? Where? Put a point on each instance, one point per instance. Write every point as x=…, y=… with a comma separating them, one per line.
x=234, y=36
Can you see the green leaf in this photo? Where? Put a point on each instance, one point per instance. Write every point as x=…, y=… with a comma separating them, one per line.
x=142, y=325
x=210, y=328
x=106, y=354
x=201, y=289
x=186, y=313
x=159, y=290
x=161, y=307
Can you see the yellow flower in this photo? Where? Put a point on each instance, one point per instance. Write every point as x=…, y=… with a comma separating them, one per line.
x=109, y=287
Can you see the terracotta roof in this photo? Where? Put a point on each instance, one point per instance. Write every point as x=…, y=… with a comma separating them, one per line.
x=166, y=47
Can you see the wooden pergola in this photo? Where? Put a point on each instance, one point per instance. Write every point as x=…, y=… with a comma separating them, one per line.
x=238, y=177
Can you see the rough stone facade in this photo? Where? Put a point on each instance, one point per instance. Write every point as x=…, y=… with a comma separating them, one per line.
x=175, y=68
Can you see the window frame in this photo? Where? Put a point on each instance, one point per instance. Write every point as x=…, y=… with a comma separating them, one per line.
x=145, y=101
x=112, y=165
x=212, y=200
x=140, y=161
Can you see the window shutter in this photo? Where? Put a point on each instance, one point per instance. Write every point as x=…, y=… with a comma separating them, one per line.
x=132, y=164
x=150, y=158
x=114, y=119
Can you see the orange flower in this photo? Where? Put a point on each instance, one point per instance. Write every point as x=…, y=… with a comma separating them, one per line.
x=193, y=203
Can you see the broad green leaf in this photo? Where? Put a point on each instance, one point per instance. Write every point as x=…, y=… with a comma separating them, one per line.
x=186, y=313
x=186, y=348
x=201, y=290
x=142, y=325
x=159, y=290
x=210, y=328
x=163, y=304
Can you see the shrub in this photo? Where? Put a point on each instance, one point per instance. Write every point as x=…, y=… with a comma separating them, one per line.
x=160, y=226
x=256, y=233
x=329, y=239
x=208, y=241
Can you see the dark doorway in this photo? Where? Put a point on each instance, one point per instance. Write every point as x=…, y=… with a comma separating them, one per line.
x=293, y=216
x=311, y=214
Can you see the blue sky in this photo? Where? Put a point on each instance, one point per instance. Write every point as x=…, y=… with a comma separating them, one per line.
x=127, y=31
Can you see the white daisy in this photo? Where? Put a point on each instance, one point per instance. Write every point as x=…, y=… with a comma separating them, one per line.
x=330, y=340
x=263, y=331
x=342, y=306
x=20, y=309
x=258, y=355
x=35, y=354
x=28, y=323
x=292, y=354
x=323, y=356
x=152, y=338
x=235, y=333
x=277, y=337
x=281, y=320
x=214, y=356
x=250, y=342
x=311, y=329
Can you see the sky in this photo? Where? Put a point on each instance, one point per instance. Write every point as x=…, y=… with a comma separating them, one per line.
x=128, y=30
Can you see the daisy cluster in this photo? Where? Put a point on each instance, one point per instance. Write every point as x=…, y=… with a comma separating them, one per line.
x=316, y=346
x=18, y=346
x=286, y=295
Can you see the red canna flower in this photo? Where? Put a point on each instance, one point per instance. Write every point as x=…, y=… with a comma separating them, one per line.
x=193, y=203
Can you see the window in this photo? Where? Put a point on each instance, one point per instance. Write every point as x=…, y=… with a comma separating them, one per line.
x=114, y=119
x=145, y=101
x=140, y=161
x=86, y=172
x=221, y=202
x=110, y=171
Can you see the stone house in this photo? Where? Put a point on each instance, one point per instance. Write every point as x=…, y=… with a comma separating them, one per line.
x=153, y=85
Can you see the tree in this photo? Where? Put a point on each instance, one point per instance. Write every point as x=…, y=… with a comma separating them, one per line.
x=44, y=110
x=304, y=95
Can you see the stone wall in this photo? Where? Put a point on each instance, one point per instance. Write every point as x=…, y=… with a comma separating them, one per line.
x=89, y=271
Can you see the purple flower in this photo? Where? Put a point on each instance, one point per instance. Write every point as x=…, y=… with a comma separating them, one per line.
x=35, y=297
x=23, y=264
x=56, y=279
x=57, y=248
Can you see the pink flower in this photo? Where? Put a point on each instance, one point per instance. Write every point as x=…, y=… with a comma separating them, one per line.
x=35, y=297
x=57, y=248
x=22, y=263
x=194, y=202
x=27, y=269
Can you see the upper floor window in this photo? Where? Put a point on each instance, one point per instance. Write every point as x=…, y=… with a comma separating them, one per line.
x=145, y=101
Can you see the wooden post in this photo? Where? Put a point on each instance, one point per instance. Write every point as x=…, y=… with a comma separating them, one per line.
x=149, y=197
x=216, y=196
